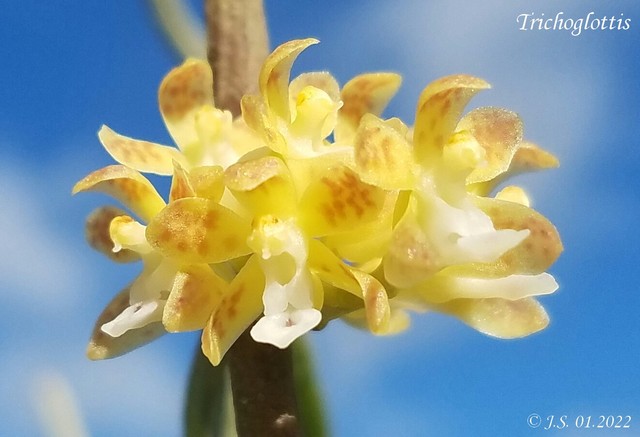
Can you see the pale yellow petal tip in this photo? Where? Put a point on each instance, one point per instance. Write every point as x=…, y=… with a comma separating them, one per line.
x=96, y=352
x=514, y=194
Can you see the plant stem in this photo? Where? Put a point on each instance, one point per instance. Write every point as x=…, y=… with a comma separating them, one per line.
x=237, y=44
x=261, y=375
x=263, y=389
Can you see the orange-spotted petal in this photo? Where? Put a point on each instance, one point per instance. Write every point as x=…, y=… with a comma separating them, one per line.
x=128, y=186
x=534, y=255
x=499, y=132
x=339, y=201
x=196, y=293
x=98, y=236
x=382, y=155
x=439, y=109
x=364, y=94
x=182, y=93
x=239, y=307
x=275, y=73
x=499, y=317
x=103, y=346
x=376, y=302
x=538, y=251
x=196, y=230
x=263, y=186
x=140, y=155
x=180, y=184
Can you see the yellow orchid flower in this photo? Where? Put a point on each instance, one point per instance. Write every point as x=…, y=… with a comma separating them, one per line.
x=311, y=207
x=477, y=258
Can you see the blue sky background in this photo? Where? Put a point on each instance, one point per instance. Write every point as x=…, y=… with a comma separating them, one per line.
x=68, y=67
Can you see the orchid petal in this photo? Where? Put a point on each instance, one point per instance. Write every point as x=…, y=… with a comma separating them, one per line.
x=128, y=235
x=103, y=346
x=98, y=236
x=499, y=317
x=376, y=302
x=128, y=186
x=207, y=182
x=239, y=307
x=282, y=329
x=275, y=72
x=263, y=122
x=364, y=94
x=339, y=201
x=535, y=254
x=330, y=269
x=514, y=194
x=180, y=184
x=196, y=293
x=321, y=80
x=182, y=93
x=442, y=288
x=135, y=316
x=195, y=230
x=530, y=157
x=263, y=186
x=499, y=132
x=382, y=155
x=140, y=155
x=439, y=108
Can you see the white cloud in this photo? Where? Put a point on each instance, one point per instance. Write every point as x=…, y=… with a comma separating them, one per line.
x=38, y=267
x=49, y=292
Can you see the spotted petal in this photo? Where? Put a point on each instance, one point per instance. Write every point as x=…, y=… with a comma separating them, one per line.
x=376, y=302
x=140, y=155
x=195, y=230
x=98, y=236
x=275, y=73
x=128, y=186
x=534, y=255
x=382, y=155
x=239, y=307
x=339, y=201
x=182, y=93
x=263, y=186
x=180, y=184
x=103, y=346
x=439, y=109
x=499, y=132
x=364, y=94
x=499, y=317
x=196, y=293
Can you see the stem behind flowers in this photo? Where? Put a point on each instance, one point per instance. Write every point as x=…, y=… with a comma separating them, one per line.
x=262, y=379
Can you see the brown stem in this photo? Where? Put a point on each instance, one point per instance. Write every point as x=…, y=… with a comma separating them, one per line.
x=263, y=389
x=261, y=375
x=237, y=44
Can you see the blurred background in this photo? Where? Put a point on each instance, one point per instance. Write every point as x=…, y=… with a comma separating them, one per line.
x=68, y=67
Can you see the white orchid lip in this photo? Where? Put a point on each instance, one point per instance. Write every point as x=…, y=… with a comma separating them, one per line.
x=288, y=310
x=284, y=328
x=134, y=317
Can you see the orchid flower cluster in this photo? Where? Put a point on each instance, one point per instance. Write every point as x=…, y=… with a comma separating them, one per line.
x=311, y=207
